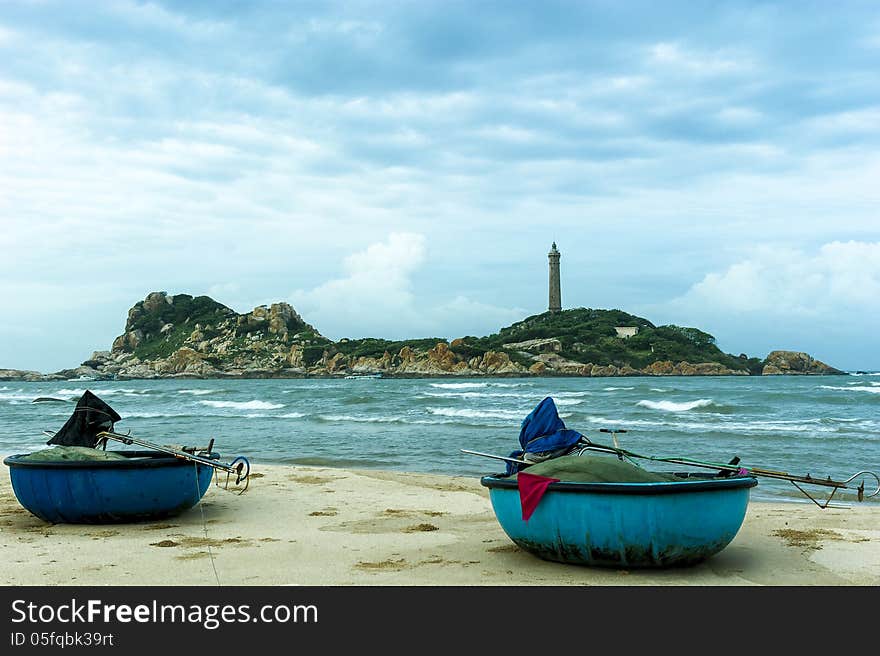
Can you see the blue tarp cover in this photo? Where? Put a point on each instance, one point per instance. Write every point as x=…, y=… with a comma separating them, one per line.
x=543, y=431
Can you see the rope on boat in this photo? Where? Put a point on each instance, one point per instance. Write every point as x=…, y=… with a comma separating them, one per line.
x=205, y=523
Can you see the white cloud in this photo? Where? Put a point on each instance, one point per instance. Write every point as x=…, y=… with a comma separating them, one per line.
x=821, y=302
x=700, y=63
x=376, y=298
x=840, y=277
x=375, y=294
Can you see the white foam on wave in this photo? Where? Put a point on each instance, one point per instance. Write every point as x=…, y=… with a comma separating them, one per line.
x=110, y=391
x=73, y=392
x=626, y=422
x=292, y=415
x=479, y=395
x=360, y=418
x=196, y=392
x=858, y=388
x=468, y=413
x=459, y=385
x=614, y=389
x=567, y=401
x=672, y=406
x=18, y=395
x=244, y=405
x=779, y=426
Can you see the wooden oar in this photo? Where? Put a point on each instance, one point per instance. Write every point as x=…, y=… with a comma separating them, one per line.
x=489, y=455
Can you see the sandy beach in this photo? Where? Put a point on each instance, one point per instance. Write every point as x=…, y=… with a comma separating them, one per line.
x=338, y=527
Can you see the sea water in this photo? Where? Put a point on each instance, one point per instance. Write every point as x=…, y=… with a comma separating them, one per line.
x=817, y=425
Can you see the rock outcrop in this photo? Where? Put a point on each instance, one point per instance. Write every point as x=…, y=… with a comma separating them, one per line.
x=796, y=363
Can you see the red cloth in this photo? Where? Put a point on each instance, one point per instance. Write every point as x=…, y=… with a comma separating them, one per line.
x=531, y=489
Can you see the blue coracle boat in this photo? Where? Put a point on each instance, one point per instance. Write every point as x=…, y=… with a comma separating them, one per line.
x=625, y=525
x=146, y=485
x=93, y=486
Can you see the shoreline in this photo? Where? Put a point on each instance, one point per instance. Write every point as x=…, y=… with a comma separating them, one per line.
x=37, y=377
x=322, y=526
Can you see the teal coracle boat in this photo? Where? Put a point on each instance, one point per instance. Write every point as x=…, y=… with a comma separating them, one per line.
x=625, y=525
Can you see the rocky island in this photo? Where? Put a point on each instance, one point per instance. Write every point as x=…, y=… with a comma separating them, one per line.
x=197, y=337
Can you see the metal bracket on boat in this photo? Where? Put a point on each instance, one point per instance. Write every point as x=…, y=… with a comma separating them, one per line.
x=837, y=485
x=239, y=466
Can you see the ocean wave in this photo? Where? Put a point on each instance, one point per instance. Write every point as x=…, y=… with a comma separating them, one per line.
x=476, y=414
x=858, y=388
x=243, y=405
x=614, y=389
x=672, y=406
x=292, y=415
x=196, y=392
x=645, y=423
x=459, y=385
x=16, y=396
x=110, y=391
x=477, y=395
x=362, y=419
x=567, y=402
x=779, y=426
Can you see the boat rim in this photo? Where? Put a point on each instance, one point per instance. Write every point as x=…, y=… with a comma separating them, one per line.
x=135, y=460
x=696, y=484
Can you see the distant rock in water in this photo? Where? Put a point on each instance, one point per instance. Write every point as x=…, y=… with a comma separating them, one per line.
x=19, y=374
x=185, y=336
x=796, y=363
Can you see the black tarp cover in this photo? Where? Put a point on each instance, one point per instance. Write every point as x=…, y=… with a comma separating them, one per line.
x=90, y=417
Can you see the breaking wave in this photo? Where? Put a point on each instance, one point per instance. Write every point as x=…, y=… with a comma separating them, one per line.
x=243, y=405
x=467, y=413
x=858, y=388
x=361, y=419
x=672, y=406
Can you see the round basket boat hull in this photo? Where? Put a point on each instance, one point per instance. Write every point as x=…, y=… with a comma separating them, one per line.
x=625, y=525
x=146, y=486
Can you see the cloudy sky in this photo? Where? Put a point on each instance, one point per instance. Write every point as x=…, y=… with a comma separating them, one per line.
x=400, y=169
